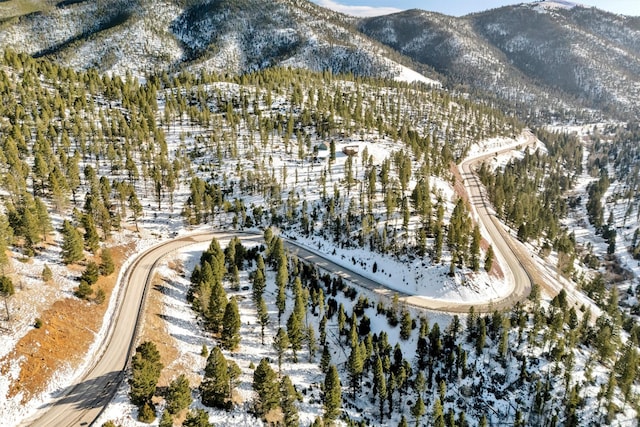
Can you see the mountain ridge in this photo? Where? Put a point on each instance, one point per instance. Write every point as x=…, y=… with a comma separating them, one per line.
x=145, y=37
x=534, y=58
x=572, y=58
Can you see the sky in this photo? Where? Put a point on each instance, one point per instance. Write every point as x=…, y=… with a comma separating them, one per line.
x=458, y=7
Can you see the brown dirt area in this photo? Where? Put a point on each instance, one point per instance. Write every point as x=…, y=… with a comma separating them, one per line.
x=458, y=185
x=154, y=329
x=68, y=330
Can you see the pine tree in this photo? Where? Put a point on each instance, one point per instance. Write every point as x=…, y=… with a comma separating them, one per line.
x=215, y=384
x=83, y=291
x=405, y=325
x=266, y=386
x=419, y=383
x=517, y=422
x=217, y=306
x=342, y=319
x=234, y=372
x=44, y=221
x=146, y=369
x=355, y=366
x=475, y=248
x=332, y=399
x=91, y=273
x=280, y=345
x=295, y=334
x=289, y=396
x=380, y=385
x=626, y=368
x=438, y=414
x=107, y=266
x=482, y=335
x=418, y=410
x=47, y=274
x=437, y=245
x=6, y=290
x=197, y=418
x=325, y=360
x=281, y=302
x=259, y=283
x=6, y=236
x=503, y=347
x=282, y=277
x=488, y=260
x=165, y=421
x=72, y=245
x=435, y=343
x=136, y=208
x=263, y=317
x=146, y=413
x=178, y=395
x=230, y=337
x=91, y=238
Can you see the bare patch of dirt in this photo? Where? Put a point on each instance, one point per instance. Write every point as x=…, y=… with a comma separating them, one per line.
x=458, y=186
x=154, y=329
x=68, y=330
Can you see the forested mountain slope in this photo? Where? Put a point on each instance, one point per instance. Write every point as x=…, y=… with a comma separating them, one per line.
x=362, y=164
x=538, y=56
x=144, y=36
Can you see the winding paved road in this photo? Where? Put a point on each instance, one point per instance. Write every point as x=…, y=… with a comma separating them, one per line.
x=81, y=403
x=515, y=262
x=513, y=258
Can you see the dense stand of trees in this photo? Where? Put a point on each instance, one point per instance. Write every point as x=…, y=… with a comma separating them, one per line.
x=528, y=356
x=95, y=148
x=529, y=194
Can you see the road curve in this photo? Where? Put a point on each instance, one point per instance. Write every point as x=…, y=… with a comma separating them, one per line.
x=508, y=254
x=505, y=247
x=81, y=403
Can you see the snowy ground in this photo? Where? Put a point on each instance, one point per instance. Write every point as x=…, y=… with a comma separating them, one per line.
x=411, y=275
x=415, y=277
x=408, y=75
x=189, y=337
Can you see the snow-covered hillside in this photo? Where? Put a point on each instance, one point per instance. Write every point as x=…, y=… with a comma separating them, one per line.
x=145, y=37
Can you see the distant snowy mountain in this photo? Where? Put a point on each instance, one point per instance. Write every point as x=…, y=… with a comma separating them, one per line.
x=557, y=4
x=546, y=54
x=541, y=57
x=227, y=36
